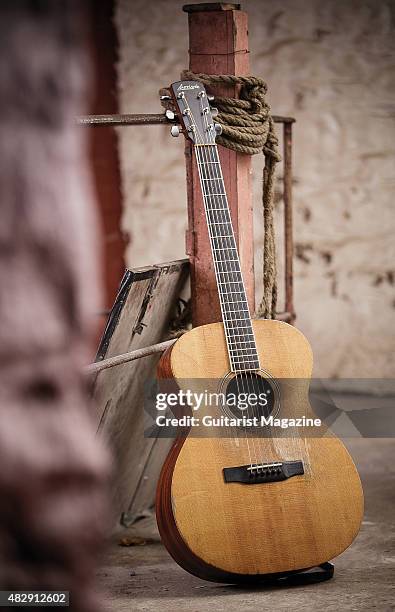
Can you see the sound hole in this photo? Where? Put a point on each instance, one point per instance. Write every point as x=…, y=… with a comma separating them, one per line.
x=250, y=394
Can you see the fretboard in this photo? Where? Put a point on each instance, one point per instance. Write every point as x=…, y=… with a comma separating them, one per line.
x=236, y=316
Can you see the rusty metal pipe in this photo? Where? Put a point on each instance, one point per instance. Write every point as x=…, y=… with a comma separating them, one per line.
x=98, y=366
x=142, y=119
x=288, y=234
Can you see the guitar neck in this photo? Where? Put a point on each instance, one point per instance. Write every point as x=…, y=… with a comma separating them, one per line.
x=232, y=295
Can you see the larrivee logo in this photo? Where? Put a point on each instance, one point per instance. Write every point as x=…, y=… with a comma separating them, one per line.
x=182, y=87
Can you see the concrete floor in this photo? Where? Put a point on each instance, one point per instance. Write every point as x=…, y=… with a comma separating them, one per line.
x=145, y=578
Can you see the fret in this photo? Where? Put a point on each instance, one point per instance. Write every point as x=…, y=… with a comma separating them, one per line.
x=229, y=294
x=226, y=294
x=232, y=292
x=242, y=358
x=243, y=336
x=248, y=351
x=236, y=315
x=214, y=216
x=222, y=237
x=235, y=270
x=239, y=326
x=244, y=327
x=240, y=310
x=226, y=261
x=232, y=283
x=224, y=223
x=226, y=249
x=245, y=364
x=244, y=361
x=238, y=302
x=249, y=346
x=229, y=272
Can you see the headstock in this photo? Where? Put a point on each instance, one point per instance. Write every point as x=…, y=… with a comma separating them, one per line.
x=192, y=105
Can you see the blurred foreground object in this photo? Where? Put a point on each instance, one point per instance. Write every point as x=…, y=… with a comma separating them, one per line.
x=53, y=470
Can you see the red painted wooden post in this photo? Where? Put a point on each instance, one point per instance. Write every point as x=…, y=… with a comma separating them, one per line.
x=103, y=148
x=218, y=44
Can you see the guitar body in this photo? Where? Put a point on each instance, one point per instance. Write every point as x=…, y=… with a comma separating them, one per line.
x=237, y=532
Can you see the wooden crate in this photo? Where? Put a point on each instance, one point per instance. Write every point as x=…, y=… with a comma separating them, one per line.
x=140, y=317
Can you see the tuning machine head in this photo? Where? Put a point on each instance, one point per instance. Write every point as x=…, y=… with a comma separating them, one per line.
x=175, y=130
x=170, y=115
x=218, y=129
x=214, y=111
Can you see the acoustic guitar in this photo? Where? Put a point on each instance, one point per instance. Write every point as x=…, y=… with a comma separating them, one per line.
x=247, y=502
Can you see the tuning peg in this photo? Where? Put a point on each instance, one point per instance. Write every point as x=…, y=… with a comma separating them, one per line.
x=175, y=130
x=170, y=115
x=165, y=98
x=214, y=111
x=210, y=97
x=218, y=129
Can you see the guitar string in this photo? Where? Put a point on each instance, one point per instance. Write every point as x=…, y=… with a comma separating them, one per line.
x=223, y=277
x=202, y=162
x=210, y=154
x=199, y=136
x=253, y=380
x=219, y=187
x=249, y=380
x=236, y=342
x=216, y=164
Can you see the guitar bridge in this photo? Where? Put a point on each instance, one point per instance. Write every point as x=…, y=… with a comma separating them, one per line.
x=263, y=472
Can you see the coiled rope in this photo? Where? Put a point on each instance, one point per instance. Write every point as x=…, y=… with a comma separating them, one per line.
x=248, y=127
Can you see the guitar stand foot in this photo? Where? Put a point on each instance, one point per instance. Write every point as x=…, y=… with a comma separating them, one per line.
x=313, y=575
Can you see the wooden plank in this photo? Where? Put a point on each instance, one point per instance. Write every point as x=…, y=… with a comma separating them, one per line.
x=218, y=43
x=139, y=318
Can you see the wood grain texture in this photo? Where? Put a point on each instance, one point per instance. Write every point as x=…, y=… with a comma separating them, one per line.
x=230, y=532
x=142, y=314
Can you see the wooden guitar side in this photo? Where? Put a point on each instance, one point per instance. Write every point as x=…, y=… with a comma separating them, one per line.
x=232, y=532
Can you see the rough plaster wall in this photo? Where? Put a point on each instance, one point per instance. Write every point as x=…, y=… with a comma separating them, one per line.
x=331, y=65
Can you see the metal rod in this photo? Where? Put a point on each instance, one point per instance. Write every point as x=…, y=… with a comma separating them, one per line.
x=111, y=362
x=94, y=368
x=288, y=235
x=144, y=119
x=113, y=120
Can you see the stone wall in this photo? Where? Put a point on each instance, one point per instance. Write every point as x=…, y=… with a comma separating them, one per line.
x=331, y=65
